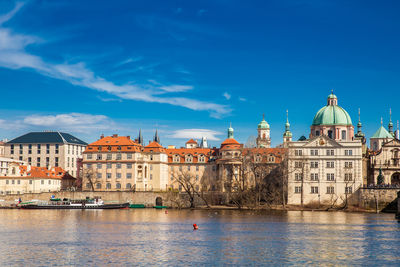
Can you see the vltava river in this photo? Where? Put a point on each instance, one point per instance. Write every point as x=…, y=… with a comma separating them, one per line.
x=152, y=237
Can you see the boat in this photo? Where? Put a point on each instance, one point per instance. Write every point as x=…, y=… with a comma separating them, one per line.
x=137, y=206
x=83, y=204
x=160, y=207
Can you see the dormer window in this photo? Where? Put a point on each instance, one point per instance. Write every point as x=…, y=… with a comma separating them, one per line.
x=177, y=158
x=109, y=148
x=189, y=158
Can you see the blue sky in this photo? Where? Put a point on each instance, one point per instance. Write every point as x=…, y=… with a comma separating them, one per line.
x=188, y=68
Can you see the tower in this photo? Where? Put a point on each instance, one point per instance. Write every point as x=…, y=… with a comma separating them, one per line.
x=140, y=138
x=263, y=138
x=156, y=137
x=230, y=131
x=359, y=135
x=204, y=143
x=390, y=125
x=287, y=135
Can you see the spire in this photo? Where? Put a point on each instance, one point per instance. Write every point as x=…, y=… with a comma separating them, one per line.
x=381, y=121
x=230, y=131
x=390, y=125
x=140, y=137
x=287, y=135
x=359, y=126
x=156, y=137
x=397, y=135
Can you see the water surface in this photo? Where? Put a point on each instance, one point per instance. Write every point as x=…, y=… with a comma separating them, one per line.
x=152, y=237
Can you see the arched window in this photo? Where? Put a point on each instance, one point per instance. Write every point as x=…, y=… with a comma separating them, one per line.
x=128, y=186
x=177, y=158
x=375, y=146
x=98, y=186
x=189, y=158
x=343, y=135
x=108, y=186
x=118, y=186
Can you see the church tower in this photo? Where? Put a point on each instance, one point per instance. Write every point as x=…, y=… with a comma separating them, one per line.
x=360, y=135
x=263, y=138
x=390, y=125
x=287, y=135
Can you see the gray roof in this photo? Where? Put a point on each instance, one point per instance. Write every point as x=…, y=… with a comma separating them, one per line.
x=47, y=137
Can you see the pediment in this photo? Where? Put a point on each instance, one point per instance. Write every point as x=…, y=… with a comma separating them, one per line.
x=392, y=143
x=322, y=141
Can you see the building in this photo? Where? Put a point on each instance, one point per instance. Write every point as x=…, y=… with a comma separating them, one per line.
x=117, y=163
x=263, y=137
x=47, y=149
x=380, y=137
x=5, y=164
x=22, y=179
x=2, y=148
x=326, y=168
x=385, y=164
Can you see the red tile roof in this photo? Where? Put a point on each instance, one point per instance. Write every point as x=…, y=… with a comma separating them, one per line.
x=114, y=144
x=154, y=147
x=195, y=152
x=191, y=141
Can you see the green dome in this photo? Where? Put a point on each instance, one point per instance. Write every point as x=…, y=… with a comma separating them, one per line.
x=263, y=125
x=332, y=115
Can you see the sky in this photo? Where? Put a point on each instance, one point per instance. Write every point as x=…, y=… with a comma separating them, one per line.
x=190, y=68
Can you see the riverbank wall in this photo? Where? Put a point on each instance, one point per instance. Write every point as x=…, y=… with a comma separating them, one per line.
x=376, y=199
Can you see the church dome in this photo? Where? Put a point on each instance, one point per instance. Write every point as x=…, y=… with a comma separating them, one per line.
x=332, y=114
x=263, y=124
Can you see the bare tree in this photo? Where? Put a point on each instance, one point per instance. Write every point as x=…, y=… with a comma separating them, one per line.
x=88, y=175
x=190, y=185
x=251, y=142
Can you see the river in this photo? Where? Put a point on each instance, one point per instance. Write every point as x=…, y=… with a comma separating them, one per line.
x=143, y=237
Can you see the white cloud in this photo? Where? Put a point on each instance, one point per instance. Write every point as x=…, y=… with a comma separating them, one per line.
x=227, y=95
x=14, y=56
x=76, y=122
x=196, y=134
x=242, y=99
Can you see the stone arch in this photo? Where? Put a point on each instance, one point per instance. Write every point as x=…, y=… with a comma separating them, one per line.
x=395, y=180
x=159, y=201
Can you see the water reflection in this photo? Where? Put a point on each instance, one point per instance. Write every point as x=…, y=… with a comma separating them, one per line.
x=151, y=237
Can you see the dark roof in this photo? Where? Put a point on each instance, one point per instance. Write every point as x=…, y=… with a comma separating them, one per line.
x=46, y=137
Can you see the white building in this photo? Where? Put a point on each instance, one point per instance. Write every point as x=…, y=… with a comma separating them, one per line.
x=327, y=168
x=5, y=164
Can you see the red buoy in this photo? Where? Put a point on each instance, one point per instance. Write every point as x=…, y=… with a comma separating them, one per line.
x=166, y=212
x=195, y=227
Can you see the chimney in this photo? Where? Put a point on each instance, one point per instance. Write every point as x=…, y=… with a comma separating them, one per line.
x=101, y=136
x=128, y=137
x=115, y=135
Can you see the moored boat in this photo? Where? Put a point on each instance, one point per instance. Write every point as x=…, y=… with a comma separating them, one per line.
x=82, y=204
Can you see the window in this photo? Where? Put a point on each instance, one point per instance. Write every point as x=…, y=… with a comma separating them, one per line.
x=201, y=158
x=118, y=165
x=47, y=148
x=176, y=158
x=108, y=186
x=87, y=185
x=118, y=175
x=119, y=156
x=314, y=152
x=89, y=165
x=348, y=176
x=298, y=164
x=151, y=167
x=38, y=161
x=297, y=189
x=42, y=181
x=129, y=165
x=118, y=186
x=343, y=135
x=98, y=186
x=189, y=158
x=214, y=168
x=314, y=189
x=314, y=177
x=348, y=164
x=129, y=156
x=330, y=177
x=49, y=181
x=180, y=187
x=330, y=164
x=375, y=146
x=197, y=168
x=47, y=161
x=197, y=177
x=108, y=165
x=56, y=161
x=98, y=157
x=38, y=149
x=109, y=156
x=298, y=176
x=330, y=134
x=314, y=164
x=108, y=175
x=298, y=152
x=7, y=181
x=128, y=186
x=188, y=168
x=128, y=175
x=29, y=149
x=348, y=152
x=99, y=175
x=151, y=157
x=57, y=146
x=12, y=149
x=151, y=176
x=20, y=158
x=30, y=181
x=330, y=190
x=317, y=133
x=348, y=190
x=89, y=156
x=29, y=160
x=99, y=165
x=330, y=152
x=20, y=149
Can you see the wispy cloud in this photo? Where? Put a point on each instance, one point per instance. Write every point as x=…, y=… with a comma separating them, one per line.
x=242, y=99
x=13, y=55
x=196, y=134
x=227, y=95
x=75, y=122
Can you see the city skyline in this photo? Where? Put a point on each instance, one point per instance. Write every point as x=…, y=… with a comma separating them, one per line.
x=179, y=67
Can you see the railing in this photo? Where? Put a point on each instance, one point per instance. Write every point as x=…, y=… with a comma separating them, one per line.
x=380, y=186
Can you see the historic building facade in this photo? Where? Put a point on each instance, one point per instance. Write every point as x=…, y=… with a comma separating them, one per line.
x=47, y=149
x=327, y=168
